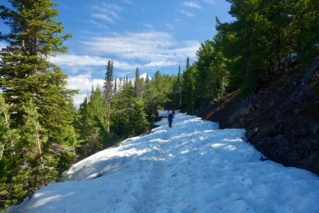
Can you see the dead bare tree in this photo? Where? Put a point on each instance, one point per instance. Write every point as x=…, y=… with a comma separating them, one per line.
x=300, y=89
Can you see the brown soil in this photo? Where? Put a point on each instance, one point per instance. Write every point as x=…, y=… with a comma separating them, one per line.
x=284, y=131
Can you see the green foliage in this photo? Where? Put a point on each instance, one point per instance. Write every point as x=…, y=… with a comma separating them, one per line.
x=129, y=116
x=108, y=85
x=177, y=90
x=138, y=119
x=162, y=90
x=203, y=80
x=138, y=84
x=261, y=41
x=92, y=123
x=103, y=121
x=188, y=89
x=36, y=109
x=266, y=39
x=219, y=74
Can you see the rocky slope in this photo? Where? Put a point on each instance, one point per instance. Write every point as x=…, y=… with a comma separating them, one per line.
x=284, y=131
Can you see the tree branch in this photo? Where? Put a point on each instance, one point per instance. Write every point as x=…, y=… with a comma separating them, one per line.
x=304, y=82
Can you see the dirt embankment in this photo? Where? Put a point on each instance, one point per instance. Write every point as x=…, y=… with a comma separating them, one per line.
x=285, y=132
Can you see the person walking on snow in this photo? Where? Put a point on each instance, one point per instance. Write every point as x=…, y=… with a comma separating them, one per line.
x=170, y=119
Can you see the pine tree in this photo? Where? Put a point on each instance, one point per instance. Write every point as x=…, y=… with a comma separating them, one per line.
x=8, y=137
x=121, y=84
x=126, y=80
x=108, y=91
x=188, y=89
x=218, y=71
x=137, y=83
x=115, y=86
x=178, y=89
x=147, y=80
x=93, y=122
x=138, y=119
x=27, y=75
x=150, y=101
x=203, y=80
x=162, y=89
x=265, y=38
x=108, y=84
x=97, y=111
x=187, y=63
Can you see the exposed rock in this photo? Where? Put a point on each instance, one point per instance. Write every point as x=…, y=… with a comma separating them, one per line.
x=286, y=132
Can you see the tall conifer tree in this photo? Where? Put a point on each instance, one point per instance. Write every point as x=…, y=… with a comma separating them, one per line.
x=108, y=84
x=137, y=83
x=27, y=75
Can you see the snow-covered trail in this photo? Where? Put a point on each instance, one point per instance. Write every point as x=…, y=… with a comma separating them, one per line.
x=192, y=167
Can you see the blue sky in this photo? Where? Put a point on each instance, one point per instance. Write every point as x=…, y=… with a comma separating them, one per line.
x=149, y=34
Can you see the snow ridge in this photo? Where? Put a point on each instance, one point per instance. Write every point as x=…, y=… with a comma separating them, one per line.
x=192, y=167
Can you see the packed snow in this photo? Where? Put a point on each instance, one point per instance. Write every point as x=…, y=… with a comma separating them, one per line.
x=192, y=167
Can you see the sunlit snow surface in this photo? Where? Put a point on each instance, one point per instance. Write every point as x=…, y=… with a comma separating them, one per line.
x=192, y=167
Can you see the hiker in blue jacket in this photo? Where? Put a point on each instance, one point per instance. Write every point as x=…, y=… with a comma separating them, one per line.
x=170, y=119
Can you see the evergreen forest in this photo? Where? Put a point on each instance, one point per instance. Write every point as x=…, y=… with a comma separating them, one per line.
x=42, y=133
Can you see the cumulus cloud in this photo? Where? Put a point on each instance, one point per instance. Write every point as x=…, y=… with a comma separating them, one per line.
x=79, y=98
x=192, y=5
x=84, y=84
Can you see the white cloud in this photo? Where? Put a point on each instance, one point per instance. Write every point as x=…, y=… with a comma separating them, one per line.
x=86, y=63
x=112, y=7
x=2, y=45
x=210, y=1
x=150, y=51
x=160, y=63
x=84, y=84
x=192, y=5
x=107, y=12
x=186, y=13
x=69, y=60
x=99, y=25
x=127, y=1
x=144, y=47
x=104, y=17
x=148, y=26
x=107, y=8
x=79, y=98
